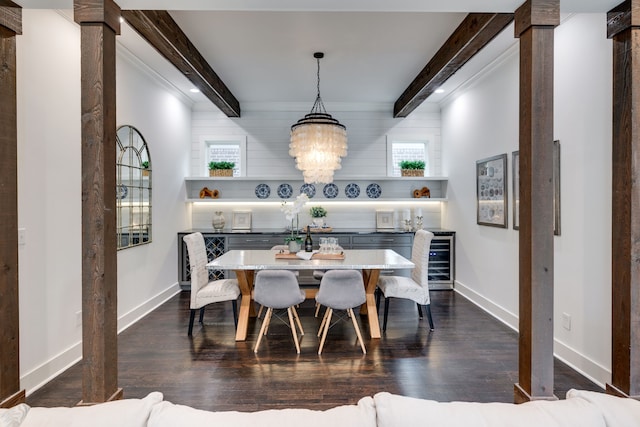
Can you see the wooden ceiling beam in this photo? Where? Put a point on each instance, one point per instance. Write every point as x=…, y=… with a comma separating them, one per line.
x=473, y=34
x=162, y=32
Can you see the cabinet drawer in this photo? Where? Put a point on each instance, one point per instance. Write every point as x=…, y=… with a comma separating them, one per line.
x=254, y=242
x=381, y=241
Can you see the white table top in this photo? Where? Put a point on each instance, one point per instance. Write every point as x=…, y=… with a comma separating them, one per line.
x=355, y=259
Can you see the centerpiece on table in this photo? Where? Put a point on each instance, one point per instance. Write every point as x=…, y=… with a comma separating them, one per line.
x=221, y=168
x=291, y=211
x=318, y=213
x=412, y=167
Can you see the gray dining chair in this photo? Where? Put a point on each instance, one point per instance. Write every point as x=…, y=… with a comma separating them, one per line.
x=340, y=290
x=203, y=291
x=416, y=287
x=278, y=289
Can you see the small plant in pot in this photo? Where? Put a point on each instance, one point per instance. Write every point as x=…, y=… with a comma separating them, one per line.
x=318, y=213
x=145, y=168
x=412, y=167
x=221, y=168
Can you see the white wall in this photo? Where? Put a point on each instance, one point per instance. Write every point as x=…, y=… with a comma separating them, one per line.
x=266, y=128
x=483, y=121
x=49, y=191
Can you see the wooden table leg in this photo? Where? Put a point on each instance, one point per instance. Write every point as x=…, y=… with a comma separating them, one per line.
x=245, y=281
x=369, y=308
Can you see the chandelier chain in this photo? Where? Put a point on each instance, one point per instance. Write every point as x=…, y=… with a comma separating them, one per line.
x=318, y=105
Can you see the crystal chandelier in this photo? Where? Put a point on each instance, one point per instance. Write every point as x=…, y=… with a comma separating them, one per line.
x=318, y=141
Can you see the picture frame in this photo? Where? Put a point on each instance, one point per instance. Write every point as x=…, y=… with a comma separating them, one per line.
x=515, y=165
x=491, y=191
x=241, y=220
x=515, y=170
x=384, y=220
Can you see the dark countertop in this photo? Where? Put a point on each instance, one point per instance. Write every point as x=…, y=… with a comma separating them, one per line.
x=435, y=231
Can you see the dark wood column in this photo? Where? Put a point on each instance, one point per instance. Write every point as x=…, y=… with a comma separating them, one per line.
x=10, y=26
x=623, y=26
x=534, y=25
x=99, y=24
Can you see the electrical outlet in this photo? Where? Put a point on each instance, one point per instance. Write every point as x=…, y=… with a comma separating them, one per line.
x=79, y=318
x=22, y=236
x=566, y=321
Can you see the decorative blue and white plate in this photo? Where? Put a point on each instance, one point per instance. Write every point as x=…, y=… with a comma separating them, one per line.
x=262, y=191
x=374, y=191
x=285, y=191
x=330, y=191
x=352, y=190
x=122, y=191
x=308, y=189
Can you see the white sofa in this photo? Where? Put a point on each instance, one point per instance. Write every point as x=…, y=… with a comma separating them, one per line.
x=580, y=409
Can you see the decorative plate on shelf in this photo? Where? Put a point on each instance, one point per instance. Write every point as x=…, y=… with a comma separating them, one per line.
x=308, y=189
x=262, y=191
x=285, y=191
x=374, y=191
x=122, y=191
x=352, y=190
x=330, y=191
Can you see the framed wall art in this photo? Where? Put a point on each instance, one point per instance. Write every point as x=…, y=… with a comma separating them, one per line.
x=384, y=220
x=491, y=188
x=556, y=188
x=241, y=220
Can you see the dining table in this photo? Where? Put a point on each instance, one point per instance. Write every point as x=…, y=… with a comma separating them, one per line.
x=245, y=263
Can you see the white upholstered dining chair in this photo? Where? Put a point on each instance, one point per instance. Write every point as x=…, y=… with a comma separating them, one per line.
x=416, y=287
x=203, y=291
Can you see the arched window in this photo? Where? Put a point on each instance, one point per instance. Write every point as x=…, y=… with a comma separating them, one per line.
x=133, y=188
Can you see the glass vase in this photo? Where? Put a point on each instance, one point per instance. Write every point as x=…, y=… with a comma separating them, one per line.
x=218, y=221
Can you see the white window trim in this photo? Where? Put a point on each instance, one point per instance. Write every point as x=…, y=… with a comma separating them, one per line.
x=429, y=141
x=241, y=140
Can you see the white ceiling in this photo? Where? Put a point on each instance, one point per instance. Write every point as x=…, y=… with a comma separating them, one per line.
x=263, y=49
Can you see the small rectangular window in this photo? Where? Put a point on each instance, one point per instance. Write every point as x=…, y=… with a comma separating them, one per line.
x=410, y=148
x=226, y=149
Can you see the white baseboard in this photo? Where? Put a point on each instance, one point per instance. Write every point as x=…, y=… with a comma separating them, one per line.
x=577, y=361
x=587, y=367
x=38, y=377
x=146, y=307
x=500, y=313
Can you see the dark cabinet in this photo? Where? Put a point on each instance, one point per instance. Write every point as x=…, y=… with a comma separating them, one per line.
x=441, y=254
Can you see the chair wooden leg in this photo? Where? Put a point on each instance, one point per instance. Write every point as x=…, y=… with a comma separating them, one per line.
x=234, y=304
x=201, y=315
x=428, y=308
x=386, y=314
x=295, y=316
x=324, y=319
x=267, y=320
x=293, y=328
x=317, y=310
x=260, y=310
x=263, y=329
x=420, y=311
x=357, y=328
x=192, y=317
x=326, y=328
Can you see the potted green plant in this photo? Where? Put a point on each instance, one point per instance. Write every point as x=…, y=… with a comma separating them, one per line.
x=318, y=213
x=412, y=167
x=221, y=168
x=145, y=168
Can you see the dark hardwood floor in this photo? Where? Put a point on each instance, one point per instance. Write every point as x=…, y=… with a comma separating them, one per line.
x=470, y=356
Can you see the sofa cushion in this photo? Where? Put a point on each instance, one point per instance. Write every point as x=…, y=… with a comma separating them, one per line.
x=617, y=411
x=121, y=413
x=12, y=417
x=395, y=411
x=167, y=414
